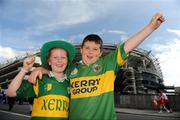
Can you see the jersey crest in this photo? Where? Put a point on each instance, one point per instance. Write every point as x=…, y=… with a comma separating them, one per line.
x=97, y=68
x=74, y=72
x=48, y=87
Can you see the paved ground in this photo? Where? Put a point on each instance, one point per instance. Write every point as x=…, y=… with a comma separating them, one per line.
x=23, y=111
x=175, y=114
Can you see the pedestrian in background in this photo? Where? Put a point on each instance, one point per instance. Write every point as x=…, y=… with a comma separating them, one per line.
x=164, y=102
x=11, y=102
x=155, y=102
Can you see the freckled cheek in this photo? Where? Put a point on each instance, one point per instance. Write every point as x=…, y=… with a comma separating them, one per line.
x=97, y=55
x=65, y=62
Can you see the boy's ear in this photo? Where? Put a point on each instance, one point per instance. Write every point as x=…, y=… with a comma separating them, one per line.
x=101, y=54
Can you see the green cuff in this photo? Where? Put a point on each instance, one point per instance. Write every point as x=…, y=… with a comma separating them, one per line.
x=123, y=53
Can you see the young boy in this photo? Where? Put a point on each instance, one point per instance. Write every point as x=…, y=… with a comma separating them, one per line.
x=92, y=79
x=52, y=91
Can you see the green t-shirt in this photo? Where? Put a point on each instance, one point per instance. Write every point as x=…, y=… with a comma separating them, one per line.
x=92, y=87
x=52, y=98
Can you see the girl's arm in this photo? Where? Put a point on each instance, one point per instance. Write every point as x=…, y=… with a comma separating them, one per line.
x=16, y=82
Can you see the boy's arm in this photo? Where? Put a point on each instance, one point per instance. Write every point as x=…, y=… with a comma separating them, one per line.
x=17, y=81
x=136, y=39
x=37, y=73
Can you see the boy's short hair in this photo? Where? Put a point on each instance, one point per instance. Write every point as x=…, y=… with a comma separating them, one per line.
x=93, y=38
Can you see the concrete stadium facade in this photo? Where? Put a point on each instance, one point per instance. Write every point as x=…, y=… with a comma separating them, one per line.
x=140, y=75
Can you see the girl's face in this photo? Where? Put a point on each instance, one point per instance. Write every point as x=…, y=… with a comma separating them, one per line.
x=58, y=60
x=90, y=52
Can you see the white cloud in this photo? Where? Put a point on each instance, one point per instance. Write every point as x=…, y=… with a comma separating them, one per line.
x=117, y=32
x=55, y=16
x=45, y=16
x=59, y=14
x=169, y=56
x=177, y=32
x=8, y=53
x=122, y=34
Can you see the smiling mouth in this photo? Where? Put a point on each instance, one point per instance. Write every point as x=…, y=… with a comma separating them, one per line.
x=59, y=65
x=89, y=57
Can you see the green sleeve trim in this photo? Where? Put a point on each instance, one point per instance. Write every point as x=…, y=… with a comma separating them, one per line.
x=25, y=90
x=123, y=53
x=36, y=88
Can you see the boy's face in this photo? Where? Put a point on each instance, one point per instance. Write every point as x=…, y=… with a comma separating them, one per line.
x=58, y=60
x=90, y=52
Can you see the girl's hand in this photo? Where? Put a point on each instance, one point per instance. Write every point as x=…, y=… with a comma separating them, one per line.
x=28, y=63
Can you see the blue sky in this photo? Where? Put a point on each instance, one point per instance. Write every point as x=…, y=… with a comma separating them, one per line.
x=26, y=24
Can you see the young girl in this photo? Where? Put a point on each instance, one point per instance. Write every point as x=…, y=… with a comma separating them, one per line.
x=52, y=91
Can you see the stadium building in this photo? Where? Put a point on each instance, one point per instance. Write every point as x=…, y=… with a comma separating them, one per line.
x=140, y=75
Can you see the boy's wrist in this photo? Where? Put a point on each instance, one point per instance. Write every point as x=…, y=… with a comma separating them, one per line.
x=24, y=70
x=151, y=27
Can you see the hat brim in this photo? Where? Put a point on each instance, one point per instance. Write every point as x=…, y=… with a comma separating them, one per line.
x=70, y=49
